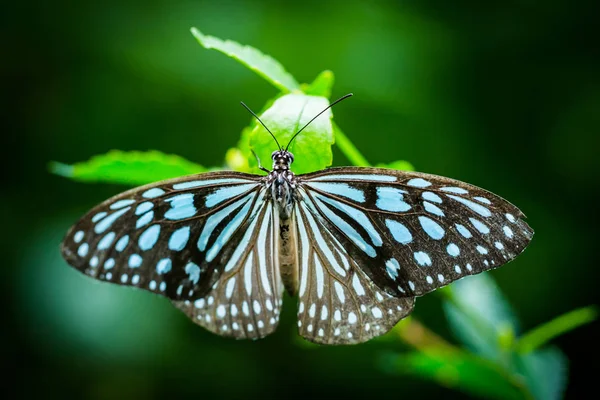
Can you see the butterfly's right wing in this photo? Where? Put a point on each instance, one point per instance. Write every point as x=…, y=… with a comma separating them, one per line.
x=338, y=302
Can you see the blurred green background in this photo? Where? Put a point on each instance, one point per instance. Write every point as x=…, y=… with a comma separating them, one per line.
x=504, y=95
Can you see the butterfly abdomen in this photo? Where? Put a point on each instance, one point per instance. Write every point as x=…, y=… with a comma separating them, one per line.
x=288, y=262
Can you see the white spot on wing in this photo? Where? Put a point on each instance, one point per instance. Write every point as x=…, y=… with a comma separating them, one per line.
x=358, y=287
x=339, y=290
x=432, y=228
x=78, y=237
x=422, y=258
x=418, y=182
x=399, y=231
x=478, y=208
x=248, y=273
x=152, y=193
x=391, y=199
x=121, y=203
x=456, y=190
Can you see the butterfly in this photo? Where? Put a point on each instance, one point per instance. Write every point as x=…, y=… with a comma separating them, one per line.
x=356, y=245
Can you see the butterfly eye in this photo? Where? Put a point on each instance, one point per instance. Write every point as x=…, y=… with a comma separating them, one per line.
x=274, y=154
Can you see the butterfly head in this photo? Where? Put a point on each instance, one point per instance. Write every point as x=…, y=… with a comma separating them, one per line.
x=282, y=160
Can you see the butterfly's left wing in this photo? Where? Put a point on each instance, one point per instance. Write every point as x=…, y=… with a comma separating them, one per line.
x=246, y=301
x=204, y=241
x=411, y=233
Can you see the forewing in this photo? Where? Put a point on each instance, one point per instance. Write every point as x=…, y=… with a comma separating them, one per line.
x=173, y=237
x=338, y=302
x=411, y=232
x=246, y=301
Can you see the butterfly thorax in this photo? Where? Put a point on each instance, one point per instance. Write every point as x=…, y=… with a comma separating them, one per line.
x=282, y=183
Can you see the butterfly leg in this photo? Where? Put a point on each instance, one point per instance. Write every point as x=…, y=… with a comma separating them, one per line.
x=258, y=162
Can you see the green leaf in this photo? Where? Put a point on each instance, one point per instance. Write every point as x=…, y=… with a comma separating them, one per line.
x=545, y=373
x=399, y=165
x=460, y=371
x=479, y=315
x=289, y=113
x=264, y=65
x=321, y=86
x=128, y=168
x=556, y=327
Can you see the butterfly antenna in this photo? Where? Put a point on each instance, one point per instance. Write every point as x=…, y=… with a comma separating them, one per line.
x=256, y=116
x=316, y=116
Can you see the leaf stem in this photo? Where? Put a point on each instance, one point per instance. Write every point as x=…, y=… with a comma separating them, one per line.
x=347, y=147
x=556, y=327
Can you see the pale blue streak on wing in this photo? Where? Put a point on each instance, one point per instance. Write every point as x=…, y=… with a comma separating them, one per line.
x=430, y=196
x=99, y=216
x=225, y=193
x=106, y=241
x=480, y=226
x=452, y=189
x=340, y=189
x=121, y=203
x=482, y=199
x=399, y=231
x=227, y=232
x=391, y=199
x=216, y=218
x=356, y=177
x=244, y=244
x=144, y=219
x=478, y=208
x=143, y=207
x=108, y=221
x=357, y=215
x=179, y=238
x=418, y=183
x=303, y=262
x=346, y=228
x=182, y=206
x=149, y=237
x=463, y=231
x=207, y=182
x=266, y=229
x=321, y=243
x=152, y=193
x=433, y=209
x=431, y=228
x=122, y=243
